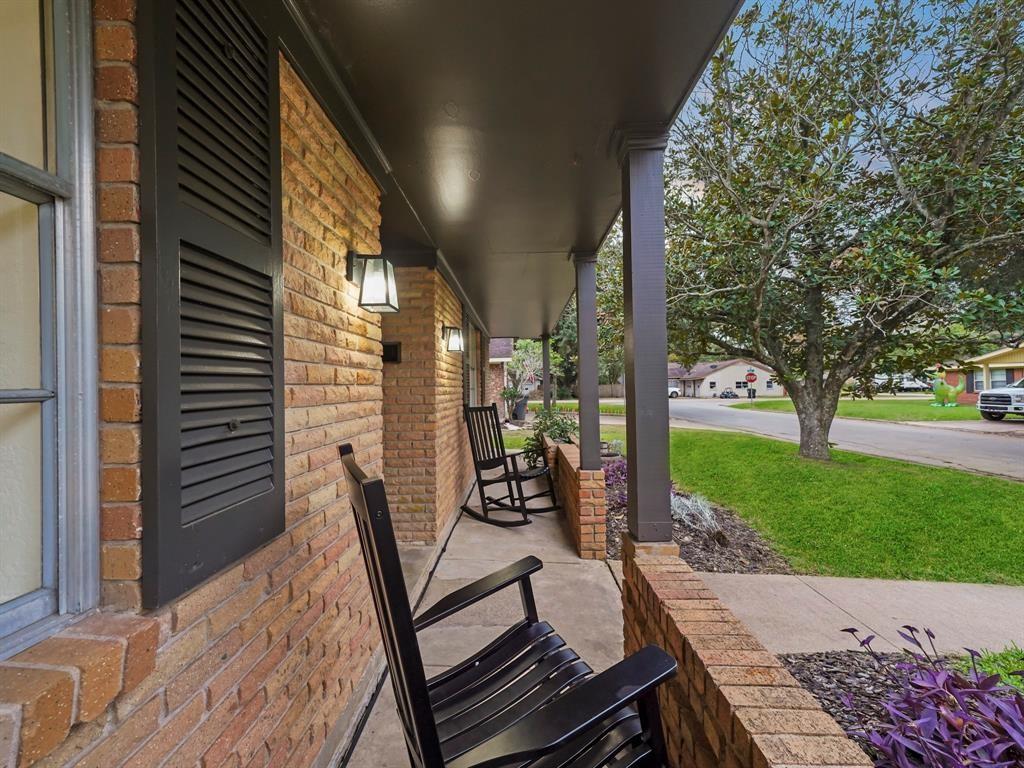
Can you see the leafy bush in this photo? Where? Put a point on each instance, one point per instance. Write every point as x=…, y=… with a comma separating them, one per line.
x=940, y=717
x=558, y=427
x=509, y=396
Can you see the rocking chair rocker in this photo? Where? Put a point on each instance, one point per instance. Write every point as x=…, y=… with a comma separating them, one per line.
x=489, y=453
x=524, y=700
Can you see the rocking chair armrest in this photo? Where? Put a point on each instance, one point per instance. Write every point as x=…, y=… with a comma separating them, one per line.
x=556, y=724
x=478, y=590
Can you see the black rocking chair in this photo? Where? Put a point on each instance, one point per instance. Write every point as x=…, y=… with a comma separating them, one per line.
x=489, y=453
x=523, y=700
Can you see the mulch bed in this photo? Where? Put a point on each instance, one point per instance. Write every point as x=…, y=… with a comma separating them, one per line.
x=830, y=675
x=737, y=548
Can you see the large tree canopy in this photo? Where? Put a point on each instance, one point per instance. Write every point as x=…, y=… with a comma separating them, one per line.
x=846, y=192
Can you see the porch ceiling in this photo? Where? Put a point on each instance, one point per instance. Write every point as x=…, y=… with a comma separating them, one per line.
x=496, y=122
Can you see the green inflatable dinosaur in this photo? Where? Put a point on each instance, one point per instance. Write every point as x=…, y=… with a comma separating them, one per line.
x=945, y=395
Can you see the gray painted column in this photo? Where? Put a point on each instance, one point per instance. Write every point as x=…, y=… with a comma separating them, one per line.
x=546, y=346
x=586, y=369
x=641, y=154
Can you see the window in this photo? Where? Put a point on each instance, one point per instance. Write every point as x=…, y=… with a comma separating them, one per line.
x=978, y=380
x=770, y=384
x=999, y=378
x=48, y=451
x=712, y=384
x=741, y=385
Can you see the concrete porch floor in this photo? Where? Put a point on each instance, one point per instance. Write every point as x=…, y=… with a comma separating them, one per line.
x=580, y=599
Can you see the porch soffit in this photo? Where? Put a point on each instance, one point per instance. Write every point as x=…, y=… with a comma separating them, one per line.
x=497, y=123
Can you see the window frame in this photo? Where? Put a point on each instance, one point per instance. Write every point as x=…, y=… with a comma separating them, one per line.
x=68, y=390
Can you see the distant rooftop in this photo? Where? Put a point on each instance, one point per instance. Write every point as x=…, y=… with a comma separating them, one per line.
x=501, y=349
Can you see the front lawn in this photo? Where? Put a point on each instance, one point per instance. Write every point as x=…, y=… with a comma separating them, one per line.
x=889, y=409
x=573, y=406
x=860, y=515
x=514, y=440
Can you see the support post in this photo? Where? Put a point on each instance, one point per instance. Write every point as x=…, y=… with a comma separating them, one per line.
x=641, y=155
x=546, y=346
x=586, y=369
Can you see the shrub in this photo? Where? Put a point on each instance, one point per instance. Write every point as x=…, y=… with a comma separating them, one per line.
x=939, y=717
x=557, y=427
x=615, y=483
x=694, y=512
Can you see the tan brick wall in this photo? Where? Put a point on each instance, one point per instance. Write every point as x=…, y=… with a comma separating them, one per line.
x=117, y=176
x=254, y=666
x=581, y=494
x=494, y=382
x=410, y=417
x=426, y=448
x=732, y=702
x=454, y=461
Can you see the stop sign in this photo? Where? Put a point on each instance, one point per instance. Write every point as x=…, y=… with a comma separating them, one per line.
x=751, y=377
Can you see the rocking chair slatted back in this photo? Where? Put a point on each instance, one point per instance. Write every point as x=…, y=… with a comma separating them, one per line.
x=485, y=436
x=394, y=614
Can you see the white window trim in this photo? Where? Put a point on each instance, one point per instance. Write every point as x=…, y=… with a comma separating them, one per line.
x=74, y=296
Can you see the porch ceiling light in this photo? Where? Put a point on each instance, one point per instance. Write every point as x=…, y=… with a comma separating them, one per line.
x=452, y=338
x=375, y=276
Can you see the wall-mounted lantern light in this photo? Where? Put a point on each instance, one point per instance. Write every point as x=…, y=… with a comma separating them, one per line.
x=452, y=338
x=375, y=276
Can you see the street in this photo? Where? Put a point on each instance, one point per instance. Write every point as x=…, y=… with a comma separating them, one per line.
x=996, y=454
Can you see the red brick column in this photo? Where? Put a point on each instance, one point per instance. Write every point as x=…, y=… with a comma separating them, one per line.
x=732, y=702
x=581, y=493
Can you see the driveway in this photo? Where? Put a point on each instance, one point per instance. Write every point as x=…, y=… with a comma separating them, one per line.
x=988, y=453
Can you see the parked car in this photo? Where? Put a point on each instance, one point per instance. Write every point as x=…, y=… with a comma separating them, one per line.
x=995, y=404
x=674, y=392
x=729, y=394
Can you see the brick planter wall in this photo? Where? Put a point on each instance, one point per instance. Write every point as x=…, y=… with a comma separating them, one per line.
x=581, y=494
x=732, y=702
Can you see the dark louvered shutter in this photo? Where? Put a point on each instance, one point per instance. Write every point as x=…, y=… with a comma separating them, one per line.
x=213, y=417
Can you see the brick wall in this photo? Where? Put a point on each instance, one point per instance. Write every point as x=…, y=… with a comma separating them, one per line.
x=732, y=702
x=117, y=176
x=427, y=464
x=454, y=462
x=494, y=382
x=410, y=418
x=254, y=666
x=581, y=494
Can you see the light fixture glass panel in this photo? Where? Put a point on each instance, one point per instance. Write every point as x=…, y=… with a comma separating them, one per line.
x=454, y=340
x=378, y=292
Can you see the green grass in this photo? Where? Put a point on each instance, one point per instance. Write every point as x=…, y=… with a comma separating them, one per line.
x=515, y=440
x=860, y=515
x=890, y=409
x=572, y=406
x=1003, y=663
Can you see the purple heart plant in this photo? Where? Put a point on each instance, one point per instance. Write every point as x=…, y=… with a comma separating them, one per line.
x=939, y=717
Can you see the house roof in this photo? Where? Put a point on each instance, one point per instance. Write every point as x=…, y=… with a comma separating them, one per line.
x=1007, y=356
x=494, y=126
x=500, y=350
x=703, y=370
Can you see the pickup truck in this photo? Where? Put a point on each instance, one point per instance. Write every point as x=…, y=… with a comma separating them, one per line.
x=994, y=404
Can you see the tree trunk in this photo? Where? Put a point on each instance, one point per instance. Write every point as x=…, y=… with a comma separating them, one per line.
x=815, y=410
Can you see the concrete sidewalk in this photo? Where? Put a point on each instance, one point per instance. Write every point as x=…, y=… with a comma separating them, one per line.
x=804, y=614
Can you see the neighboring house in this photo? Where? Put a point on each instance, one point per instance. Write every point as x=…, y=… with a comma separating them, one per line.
x=711, y=378
x=500, y=353
x=988, y=371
